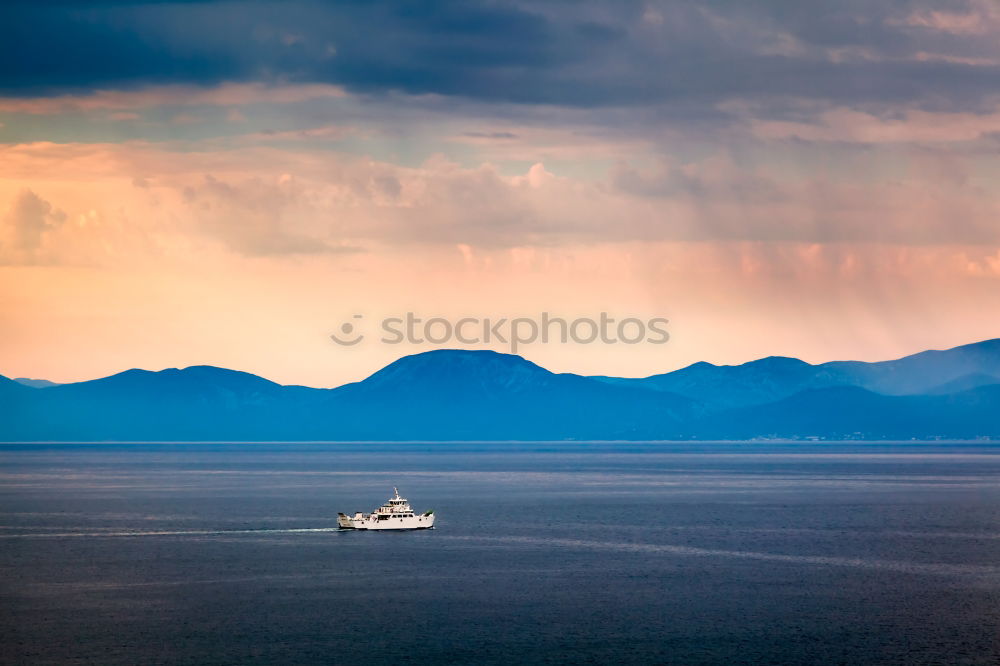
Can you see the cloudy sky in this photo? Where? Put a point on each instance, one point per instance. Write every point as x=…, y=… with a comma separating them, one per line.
x=226, y=183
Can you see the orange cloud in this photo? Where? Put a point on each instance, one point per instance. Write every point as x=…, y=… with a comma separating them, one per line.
x=23, y=229
x=982, y=20
x=259, y=200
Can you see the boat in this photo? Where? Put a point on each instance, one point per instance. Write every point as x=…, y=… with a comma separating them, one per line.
x=395, y=514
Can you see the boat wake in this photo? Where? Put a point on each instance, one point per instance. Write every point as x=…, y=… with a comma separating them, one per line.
x=155, y=533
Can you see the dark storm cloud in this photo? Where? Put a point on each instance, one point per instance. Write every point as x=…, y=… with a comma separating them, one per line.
x=579, y=54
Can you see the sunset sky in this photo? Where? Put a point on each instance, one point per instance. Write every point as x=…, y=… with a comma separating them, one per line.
x=227, y=183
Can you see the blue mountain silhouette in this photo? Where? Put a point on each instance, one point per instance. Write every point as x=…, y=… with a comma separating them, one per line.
x=484, y=395
x=777, y=377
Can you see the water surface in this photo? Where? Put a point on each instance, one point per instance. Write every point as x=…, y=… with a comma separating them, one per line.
x=543, y=553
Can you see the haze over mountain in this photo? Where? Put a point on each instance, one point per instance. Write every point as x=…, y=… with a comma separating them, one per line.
x=485, y=395
x=35, y=383
x=776, y=377
x=964, y=383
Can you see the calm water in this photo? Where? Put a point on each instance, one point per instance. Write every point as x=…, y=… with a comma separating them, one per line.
x=635, y=553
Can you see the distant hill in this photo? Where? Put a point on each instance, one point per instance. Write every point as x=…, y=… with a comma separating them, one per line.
x=451, y=394
x=35, y=383
x=445, y=394
x=964, y=383
x=722, y=386
x=484, y=395
x=921, y=372
x=851, y=412
x=776, y=377
x=200, y=402
x=10, y=389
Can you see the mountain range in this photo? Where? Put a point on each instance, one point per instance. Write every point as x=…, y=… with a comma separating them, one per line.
x=447, y=395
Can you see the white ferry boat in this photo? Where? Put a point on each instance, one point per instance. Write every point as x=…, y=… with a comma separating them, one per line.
x=396, y=514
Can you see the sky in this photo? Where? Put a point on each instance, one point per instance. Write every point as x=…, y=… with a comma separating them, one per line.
x=228, y=183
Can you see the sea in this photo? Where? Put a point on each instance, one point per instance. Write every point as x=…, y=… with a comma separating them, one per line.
x=542, y=553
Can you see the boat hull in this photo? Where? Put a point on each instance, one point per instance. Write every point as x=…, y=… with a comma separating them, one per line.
x=414, y=523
